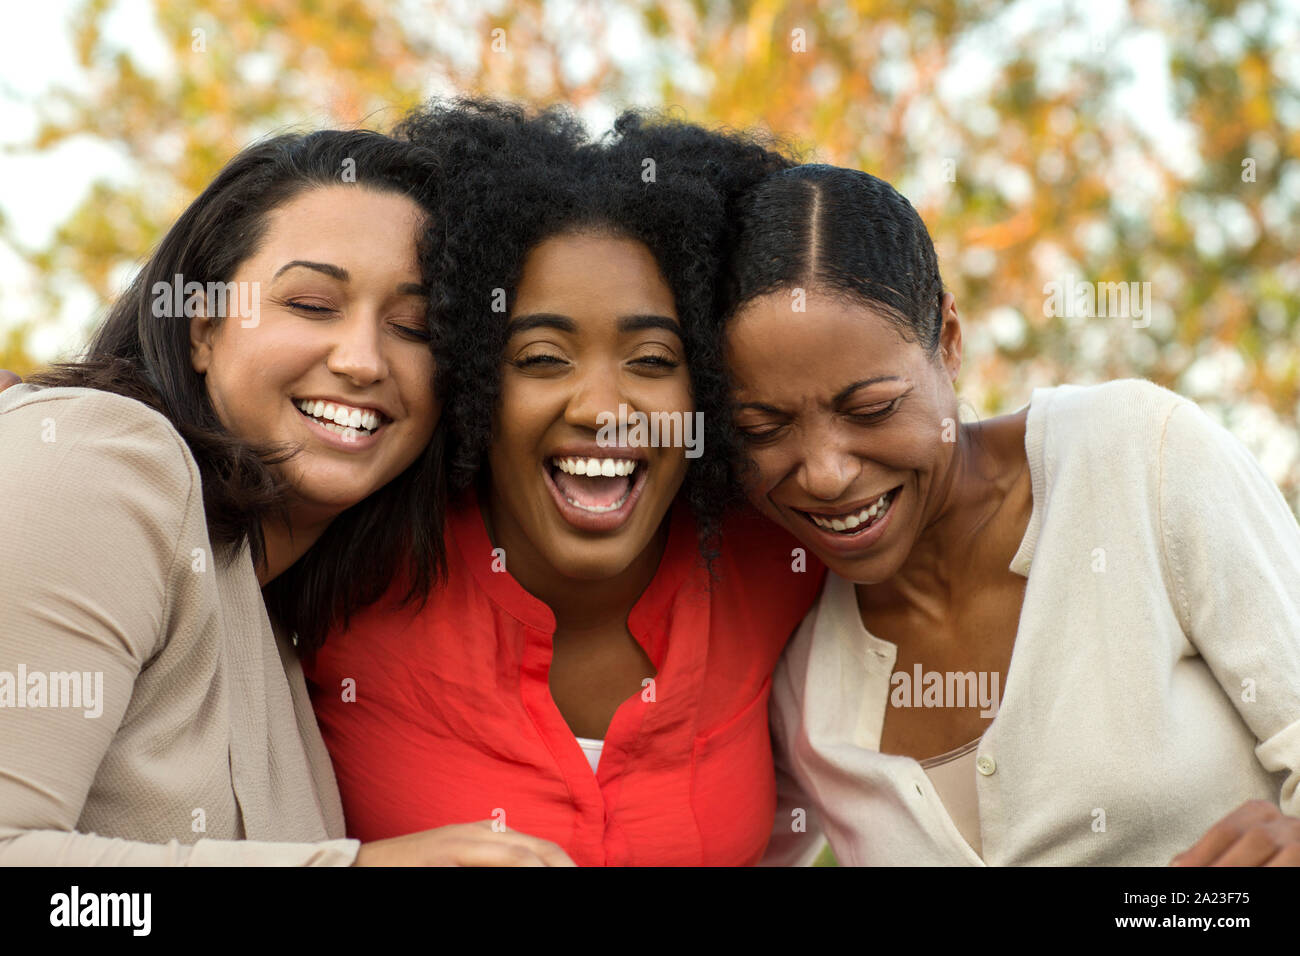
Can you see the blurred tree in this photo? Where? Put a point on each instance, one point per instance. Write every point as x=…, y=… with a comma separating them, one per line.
x=1041, y=142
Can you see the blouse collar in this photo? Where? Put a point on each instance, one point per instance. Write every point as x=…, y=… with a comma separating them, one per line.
x=466, y=526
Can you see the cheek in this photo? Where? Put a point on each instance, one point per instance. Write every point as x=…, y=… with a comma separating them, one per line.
x=766, y=469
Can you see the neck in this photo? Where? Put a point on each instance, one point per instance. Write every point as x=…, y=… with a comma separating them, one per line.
x=578, y=604
x=285, y=544
x=951, y=549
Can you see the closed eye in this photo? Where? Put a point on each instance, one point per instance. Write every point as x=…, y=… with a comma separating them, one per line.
x=759, y=436
x=304, y=307
x=876, y=412
x=531, y=361
x=656, y=361
x=421, y=335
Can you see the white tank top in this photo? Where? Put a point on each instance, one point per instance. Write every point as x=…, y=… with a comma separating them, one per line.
x=592, y=749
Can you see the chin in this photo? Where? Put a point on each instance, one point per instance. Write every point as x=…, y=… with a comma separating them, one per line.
x=591, y=561
x=333, y=500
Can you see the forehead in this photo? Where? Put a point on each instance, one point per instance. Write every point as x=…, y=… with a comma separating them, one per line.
x=338, y=209
x=584, y=273
x=775, y=349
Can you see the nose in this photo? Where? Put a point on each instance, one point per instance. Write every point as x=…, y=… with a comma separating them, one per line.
x=596, y=395
x=357, y=351
x=827, y=468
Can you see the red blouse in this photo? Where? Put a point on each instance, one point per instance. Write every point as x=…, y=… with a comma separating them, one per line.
x=451, y=720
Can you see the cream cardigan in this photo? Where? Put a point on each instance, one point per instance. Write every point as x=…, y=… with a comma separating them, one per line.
x=1155, y=680
x=204, y=749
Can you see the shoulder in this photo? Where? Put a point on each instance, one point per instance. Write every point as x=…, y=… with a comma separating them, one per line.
x=1130, y=404
x=1112, y=424
x=767, y=565
x=756, y=544
x=63, y=440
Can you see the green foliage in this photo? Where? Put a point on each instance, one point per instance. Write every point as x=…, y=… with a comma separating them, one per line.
x=1018, y=131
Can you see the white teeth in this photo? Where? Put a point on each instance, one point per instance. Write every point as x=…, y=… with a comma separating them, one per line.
x=341, y=418
x=853, y=521
x=604, y=467
x=598, y=509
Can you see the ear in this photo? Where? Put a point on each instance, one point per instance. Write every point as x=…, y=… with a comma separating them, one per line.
x=950, y=336
x=201, y=332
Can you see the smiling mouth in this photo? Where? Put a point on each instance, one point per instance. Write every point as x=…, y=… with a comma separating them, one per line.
x=854, y=522
x=340, y=419
x=596, y=485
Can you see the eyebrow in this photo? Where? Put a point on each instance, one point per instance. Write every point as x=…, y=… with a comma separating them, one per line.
x=562, y=323
x=334, y=272
x=844, y=393
x=639, y=323
x=840, y=396
x=540, y=320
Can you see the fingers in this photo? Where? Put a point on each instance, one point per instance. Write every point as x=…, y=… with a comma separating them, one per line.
x=1289, y=856
x=549, y=853
x=479, y=852
x=1245, y=837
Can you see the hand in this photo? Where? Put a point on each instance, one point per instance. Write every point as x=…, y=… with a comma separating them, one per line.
x=463, y=844
x=1255, y=834
x=8, y=378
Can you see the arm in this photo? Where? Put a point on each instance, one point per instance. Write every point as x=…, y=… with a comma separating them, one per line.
x=1232, y=547
x=96, y=497
x=797, y=838
x=114, y=482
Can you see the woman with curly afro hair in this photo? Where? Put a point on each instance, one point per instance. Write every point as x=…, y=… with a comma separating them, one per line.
x=596, y=668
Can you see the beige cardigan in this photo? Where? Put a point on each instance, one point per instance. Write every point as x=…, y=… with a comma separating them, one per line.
x=1155, y=681
x=201, y=747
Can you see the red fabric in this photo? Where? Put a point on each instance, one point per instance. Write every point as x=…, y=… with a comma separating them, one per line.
x=453, y=719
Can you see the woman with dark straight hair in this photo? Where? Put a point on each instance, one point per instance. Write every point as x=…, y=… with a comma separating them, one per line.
x=1067, y=635
x=244, y=458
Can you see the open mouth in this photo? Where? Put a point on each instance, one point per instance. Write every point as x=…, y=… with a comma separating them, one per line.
x=342, y=420
x=853, y=523
x=596, y=494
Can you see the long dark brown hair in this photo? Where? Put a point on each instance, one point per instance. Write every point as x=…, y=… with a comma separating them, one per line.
x=398, y=530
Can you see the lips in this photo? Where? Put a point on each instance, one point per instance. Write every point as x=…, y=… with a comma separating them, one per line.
x=853, y=530
x=595, y=494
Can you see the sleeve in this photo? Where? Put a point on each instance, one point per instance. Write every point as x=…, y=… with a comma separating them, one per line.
x=1232, y=547
x=797, y=838
x=95, y=496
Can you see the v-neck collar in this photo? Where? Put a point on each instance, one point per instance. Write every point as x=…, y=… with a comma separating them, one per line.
x=467, y=525
x=840, y=622
x=667, y=709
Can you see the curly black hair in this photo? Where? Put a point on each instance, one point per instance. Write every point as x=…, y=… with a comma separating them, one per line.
x=515, y=178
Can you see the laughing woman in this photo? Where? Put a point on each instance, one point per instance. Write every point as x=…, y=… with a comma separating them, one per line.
x=204, y=465
x=1111, y=559
x=581, y=676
